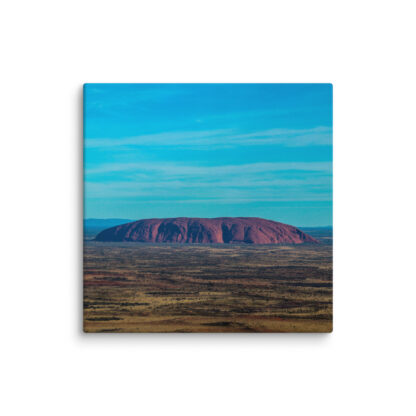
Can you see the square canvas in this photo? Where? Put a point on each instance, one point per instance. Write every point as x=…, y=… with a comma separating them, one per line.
x=207, y=208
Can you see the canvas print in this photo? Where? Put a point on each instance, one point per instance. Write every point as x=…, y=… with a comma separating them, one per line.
x=207, y=208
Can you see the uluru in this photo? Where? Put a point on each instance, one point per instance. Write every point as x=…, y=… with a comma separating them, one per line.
x=224, y=230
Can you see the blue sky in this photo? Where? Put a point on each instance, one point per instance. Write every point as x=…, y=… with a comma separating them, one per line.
x=209, y=150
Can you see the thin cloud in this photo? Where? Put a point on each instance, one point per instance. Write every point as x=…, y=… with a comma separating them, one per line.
x=166, y=139
x=317, y=136
x=174, y=169
x=229, y=181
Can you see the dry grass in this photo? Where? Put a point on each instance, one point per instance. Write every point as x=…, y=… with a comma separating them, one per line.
x=134, y=287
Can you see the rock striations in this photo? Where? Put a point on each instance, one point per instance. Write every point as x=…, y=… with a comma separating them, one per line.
x=207, y=231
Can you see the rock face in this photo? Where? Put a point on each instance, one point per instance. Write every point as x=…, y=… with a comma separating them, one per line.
x=224, y=230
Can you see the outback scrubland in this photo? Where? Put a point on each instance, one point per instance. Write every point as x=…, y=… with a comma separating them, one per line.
x=141, y=287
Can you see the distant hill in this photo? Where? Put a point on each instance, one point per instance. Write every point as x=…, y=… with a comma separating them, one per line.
x=322, y=234
x=92, y=226
x=222, y=230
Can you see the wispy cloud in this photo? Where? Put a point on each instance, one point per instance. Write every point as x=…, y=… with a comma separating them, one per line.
x=317, y=136
x=229, y=190
x=176, y=169
x=280, y=181
x=166, y=139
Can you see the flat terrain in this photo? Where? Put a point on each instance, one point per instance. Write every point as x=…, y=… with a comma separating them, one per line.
x=138, y=287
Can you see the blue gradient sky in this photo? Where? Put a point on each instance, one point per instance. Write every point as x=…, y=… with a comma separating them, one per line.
x=209, y=150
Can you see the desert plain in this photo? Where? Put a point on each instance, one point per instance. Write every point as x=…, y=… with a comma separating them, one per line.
x=145, y=287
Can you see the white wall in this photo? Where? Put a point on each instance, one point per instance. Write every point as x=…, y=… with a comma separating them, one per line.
x=366, y=49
